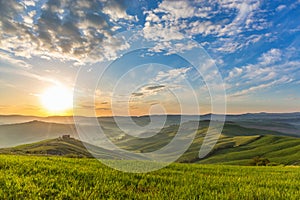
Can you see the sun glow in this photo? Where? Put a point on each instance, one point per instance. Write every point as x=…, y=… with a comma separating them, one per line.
x=57, y=99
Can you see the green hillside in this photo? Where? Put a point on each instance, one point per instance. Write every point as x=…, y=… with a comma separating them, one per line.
x=59, y=146
x=237, y=145
x=32, y=177
x=64, y=146
x=278, y=149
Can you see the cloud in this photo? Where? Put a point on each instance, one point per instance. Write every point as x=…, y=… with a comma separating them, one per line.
x=243, y=19
x=149, y=90
x=273, y=67
x=270, y=57
x=91, y=106
x=172, y=75
x=267, y=64
x=167, y=23
x=116, y=9
x=102, y=109
x=204, y=28
x=280, y=8
x=138, y=94
x=167, y=81
x=260, y=87
x=155, y=87
x=295, y=4
x=163, y=81
x=8, y=58
x=66, y=30
x=235, y=72
x=26, y=73
x=226, y=21
x=181, y=9
x=161, y=33
x=228, y=46
x=75, y=30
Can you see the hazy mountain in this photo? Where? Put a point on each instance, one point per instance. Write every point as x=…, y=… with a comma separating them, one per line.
x=33, y=131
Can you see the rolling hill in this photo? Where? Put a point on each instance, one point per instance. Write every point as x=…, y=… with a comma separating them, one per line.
x=63, y=146
x=237, y=144
x=277, y=149
x=33, y=131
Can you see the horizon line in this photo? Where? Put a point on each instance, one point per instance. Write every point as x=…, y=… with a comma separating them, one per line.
x=22, y=115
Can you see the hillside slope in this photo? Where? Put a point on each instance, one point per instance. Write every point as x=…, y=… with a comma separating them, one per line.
x=59, y=146
x=236, y=145
x=277, y=149
x=69, y=147
x=33, y=131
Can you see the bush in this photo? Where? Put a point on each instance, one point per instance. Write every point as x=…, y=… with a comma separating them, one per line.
x=259, y=161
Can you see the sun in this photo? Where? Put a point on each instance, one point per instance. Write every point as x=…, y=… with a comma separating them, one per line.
x=57, y=99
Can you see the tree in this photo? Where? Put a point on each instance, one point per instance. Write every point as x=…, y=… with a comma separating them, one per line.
x=259, y=161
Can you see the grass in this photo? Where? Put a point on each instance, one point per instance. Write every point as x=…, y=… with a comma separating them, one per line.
x=278, y=149
x=33, y=177
x=56, y=146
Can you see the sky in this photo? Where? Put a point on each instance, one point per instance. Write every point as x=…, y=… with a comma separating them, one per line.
x=142, y=57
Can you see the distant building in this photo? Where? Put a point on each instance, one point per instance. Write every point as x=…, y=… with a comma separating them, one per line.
x=66, y=137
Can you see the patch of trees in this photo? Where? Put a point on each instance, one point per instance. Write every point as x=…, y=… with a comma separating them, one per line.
x=259, y=161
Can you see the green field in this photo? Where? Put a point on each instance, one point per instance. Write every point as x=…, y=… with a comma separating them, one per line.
x=62, y=168
x=236, y=146
x=33, y=177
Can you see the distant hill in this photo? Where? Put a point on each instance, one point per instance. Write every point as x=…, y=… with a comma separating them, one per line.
x=59, y=146
x=236, y=145
x=12, y=119
x=63, y=146
x=33, y=131
x=16, y=119
x=274, y=136
x=236, y=148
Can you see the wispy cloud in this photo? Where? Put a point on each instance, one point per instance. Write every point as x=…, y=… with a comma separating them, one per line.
x=32, y=75
x=9, y=59
x=138, y=94
x=272, y=68
x=253, y=89
x=149, y=90
x=172, y=75
x=280, y=8
x=155, y=87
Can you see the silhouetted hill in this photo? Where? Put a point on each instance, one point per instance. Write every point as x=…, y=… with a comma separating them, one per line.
x=33, y=131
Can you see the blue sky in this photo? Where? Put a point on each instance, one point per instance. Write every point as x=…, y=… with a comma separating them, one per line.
x=138, y=47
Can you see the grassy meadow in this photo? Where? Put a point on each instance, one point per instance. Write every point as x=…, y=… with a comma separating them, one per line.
x=56, y=167
x=52, y=177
